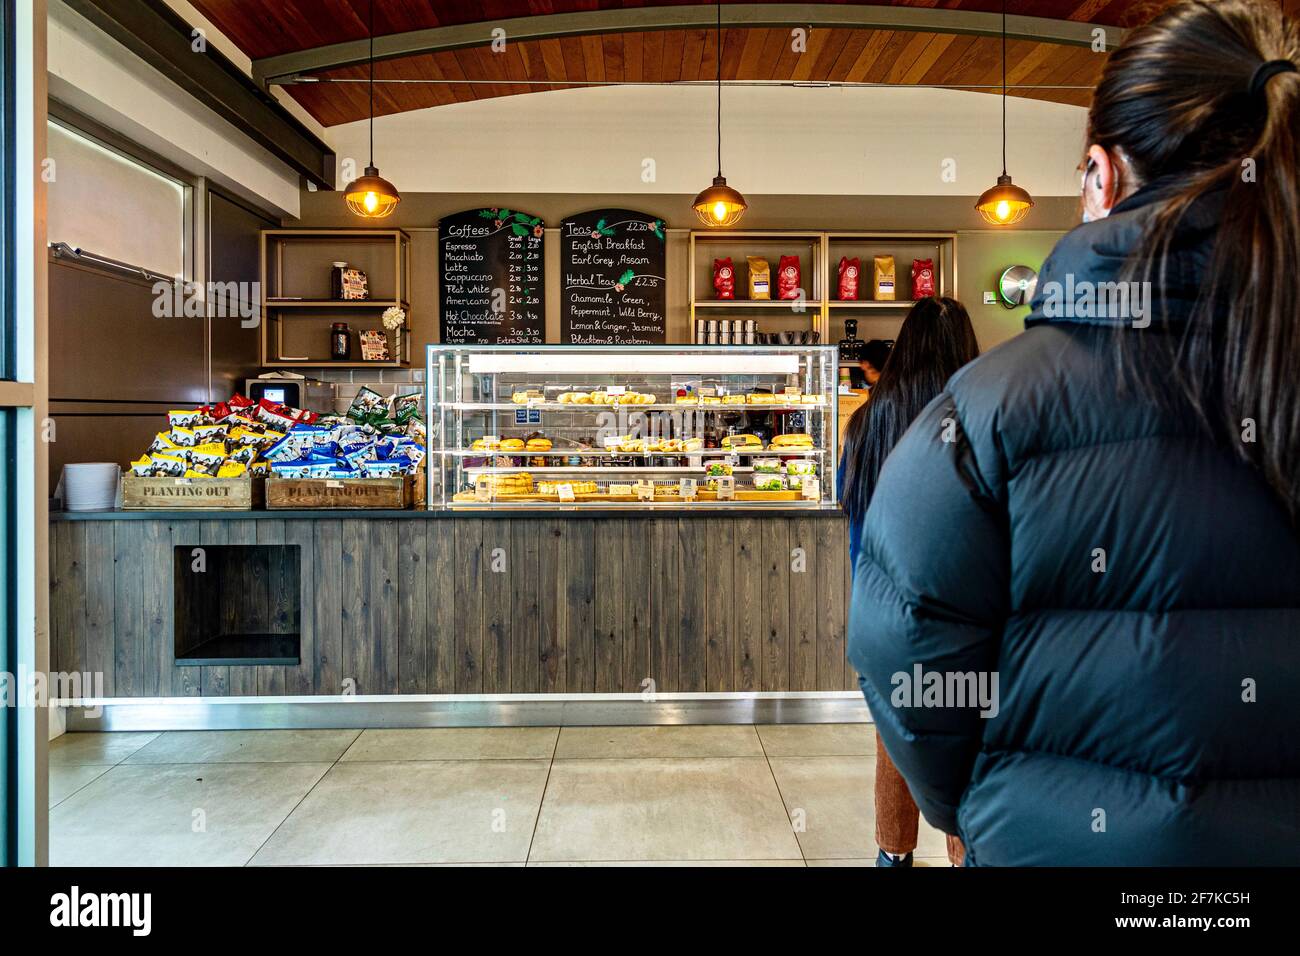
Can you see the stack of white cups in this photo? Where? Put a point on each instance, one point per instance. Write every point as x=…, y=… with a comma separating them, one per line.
x=91, y=486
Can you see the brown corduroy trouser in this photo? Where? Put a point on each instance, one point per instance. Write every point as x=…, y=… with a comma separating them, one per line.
x=897, y=818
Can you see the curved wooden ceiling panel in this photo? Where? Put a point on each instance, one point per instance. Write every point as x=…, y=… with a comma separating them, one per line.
x=267, y=28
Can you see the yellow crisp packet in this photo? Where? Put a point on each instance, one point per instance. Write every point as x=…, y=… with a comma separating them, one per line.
x=169, y=466
x=143, y=468
x=161, y=442
x=184, y=437
x=261, y=468
x=231, y=469
x=191, y=473
x=210, y=448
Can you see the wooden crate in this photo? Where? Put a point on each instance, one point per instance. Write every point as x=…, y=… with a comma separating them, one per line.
x=198, y=494
x=346, y=493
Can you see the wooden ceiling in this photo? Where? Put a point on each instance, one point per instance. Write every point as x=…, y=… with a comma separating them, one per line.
x=263, y=28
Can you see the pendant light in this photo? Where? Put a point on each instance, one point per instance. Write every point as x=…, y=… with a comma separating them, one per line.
x=370, y=195
x=1004, y=203
x=720, y=205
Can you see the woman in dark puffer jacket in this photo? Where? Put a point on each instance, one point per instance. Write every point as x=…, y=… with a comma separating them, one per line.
x=1096, y=523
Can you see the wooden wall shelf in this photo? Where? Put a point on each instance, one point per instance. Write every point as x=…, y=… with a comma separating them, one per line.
x=824, y=250
x=297, y=310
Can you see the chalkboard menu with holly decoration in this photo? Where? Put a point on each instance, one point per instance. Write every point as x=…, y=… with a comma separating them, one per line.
x=613, y=263
x=491, y=278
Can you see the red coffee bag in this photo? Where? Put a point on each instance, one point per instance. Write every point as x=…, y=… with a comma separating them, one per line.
x=787, y=278
x=850, y=269
x=922, y=278
x=724, y=278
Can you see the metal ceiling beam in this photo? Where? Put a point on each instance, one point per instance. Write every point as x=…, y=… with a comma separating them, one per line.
x=157, y=35
x=639, y=19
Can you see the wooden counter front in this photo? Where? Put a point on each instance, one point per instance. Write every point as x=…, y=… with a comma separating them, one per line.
x=467, y=604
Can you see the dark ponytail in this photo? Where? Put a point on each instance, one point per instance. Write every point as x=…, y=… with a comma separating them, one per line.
x=1185, y=102
x=935, y=340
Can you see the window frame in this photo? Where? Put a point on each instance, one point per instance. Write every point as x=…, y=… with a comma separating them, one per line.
x=79, y=124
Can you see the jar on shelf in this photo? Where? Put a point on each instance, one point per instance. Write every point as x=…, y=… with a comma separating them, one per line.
x=340, y=342
x=336, y=280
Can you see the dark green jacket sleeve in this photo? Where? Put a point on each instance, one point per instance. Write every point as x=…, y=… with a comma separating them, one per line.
x=930, y=588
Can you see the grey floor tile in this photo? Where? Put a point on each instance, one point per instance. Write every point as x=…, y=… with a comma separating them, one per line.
x=834, y=798
x=737, y=740
x=448, y=811
x=83, y=749
x=246, y=746
x=818, y=740
x=662, y=809
x=455, y=743
x=177, y=814
x=67, y=779
x=829, y=802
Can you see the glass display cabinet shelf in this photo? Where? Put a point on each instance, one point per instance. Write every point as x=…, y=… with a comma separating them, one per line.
x=631, y=427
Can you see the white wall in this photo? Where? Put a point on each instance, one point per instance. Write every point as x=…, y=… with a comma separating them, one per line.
x=91, y=72
x=776, y=140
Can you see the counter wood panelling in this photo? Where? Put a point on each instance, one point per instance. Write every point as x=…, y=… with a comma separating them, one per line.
x=472, y=605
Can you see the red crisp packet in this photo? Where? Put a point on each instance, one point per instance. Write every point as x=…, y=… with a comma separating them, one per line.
x=724, y=278
x=922, y=278
x=787, y=278
x=850, y=270
x=238, y=401
x=275, y=415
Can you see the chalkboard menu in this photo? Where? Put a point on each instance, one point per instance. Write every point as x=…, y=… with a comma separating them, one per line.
x=613, y=262
x=491, y=279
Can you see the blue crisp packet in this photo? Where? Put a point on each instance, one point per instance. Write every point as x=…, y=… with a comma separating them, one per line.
x=352, y=440
x=356, y=457
x=391, y=468
x=291, y=469
x=296, y=444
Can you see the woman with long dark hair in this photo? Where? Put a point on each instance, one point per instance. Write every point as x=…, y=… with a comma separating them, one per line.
x=936, y=339
x=1077, y=604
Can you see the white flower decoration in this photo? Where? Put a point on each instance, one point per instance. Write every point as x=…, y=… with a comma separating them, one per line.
x=394, y=317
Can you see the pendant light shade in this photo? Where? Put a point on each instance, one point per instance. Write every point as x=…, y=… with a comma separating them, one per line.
x=1005, y=202
x=719, y=205
x=370, y=195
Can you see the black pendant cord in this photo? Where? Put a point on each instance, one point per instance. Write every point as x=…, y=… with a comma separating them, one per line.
x=371, y=31
x=1004, y=87
x=718, y=44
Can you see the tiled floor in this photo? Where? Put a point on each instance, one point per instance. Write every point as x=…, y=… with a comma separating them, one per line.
x=544, y=796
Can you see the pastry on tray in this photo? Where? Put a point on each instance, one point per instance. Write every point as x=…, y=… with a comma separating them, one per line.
x=539, y=444
x=578, y=487
x=520, y=484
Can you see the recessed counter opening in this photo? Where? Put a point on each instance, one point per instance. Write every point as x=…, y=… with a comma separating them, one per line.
x=238, y=604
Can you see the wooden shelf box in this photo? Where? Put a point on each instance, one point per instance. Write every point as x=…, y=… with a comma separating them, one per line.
x=297, y=310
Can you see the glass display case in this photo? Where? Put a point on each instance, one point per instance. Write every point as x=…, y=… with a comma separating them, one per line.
x=631, y=427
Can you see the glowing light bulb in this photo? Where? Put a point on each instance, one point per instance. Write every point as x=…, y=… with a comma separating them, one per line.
x=1003, y=210
x=719, y=211
x=371, y=202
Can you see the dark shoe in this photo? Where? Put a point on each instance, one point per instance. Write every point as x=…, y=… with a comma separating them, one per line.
x=884, y=859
